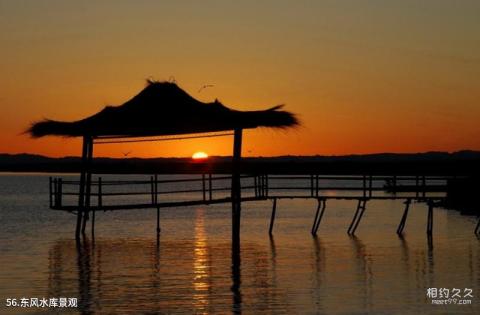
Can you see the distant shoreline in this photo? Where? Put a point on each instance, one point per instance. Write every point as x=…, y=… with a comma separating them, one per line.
x=430, y=163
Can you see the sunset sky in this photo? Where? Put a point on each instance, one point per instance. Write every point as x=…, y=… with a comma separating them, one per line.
x=363, y=76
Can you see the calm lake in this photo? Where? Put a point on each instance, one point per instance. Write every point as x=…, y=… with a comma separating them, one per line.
x=125, y=271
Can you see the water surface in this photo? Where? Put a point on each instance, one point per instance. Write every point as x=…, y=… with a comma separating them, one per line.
x=189, y=269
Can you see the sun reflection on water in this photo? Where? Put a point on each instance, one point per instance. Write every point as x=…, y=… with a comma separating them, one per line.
x=201, y=263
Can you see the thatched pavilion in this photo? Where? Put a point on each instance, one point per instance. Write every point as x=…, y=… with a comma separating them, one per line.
x=161, y=109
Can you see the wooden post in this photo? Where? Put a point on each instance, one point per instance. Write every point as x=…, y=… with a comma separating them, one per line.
x=60, y=192
x=50, y=192
x=203, y=188
x=370, y=181
x=57, y=189
x=88, y=183
x=260, y=186
x=364, y=183
x=100, y=198
x=272, y=218
x=424, y=186
x=54, y=192
x=155, y=186
x=311, y=186
x=152, y=190
x=210, y=186
x=81, y=191
x=266, y=185
x=318, y=215
x=401, y=226
x=158, y=220
x=417, y=189
x=99, y=204
x=156, y=202
x=358, y=216
x=236, y=187
x=316, y=218
x=355, y=216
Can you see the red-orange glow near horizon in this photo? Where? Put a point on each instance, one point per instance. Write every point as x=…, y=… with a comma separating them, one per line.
x=199, y=155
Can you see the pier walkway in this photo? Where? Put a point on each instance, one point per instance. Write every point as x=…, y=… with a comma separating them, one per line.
x=164, y=191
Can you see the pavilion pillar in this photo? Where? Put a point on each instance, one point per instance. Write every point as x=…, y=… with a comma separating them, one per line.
x=236, y=187
x=81, y=192
x=88, y=183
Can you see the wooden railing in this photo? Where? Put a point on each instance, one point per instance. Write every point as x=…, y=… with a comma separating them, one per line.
x=209, y=188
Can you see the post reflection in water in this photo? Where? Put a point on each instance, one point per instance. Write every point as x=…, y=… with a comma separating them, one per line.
x=319, y=258
x=364, y=265
x=273, y=259
x=200, y=275
x=148, y=276
x=236, y=281
x=318, y=267
x=84, y=252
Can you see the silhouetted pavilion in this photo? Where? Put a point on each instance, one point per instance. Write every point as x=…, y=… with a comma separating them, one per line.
x=161, y=109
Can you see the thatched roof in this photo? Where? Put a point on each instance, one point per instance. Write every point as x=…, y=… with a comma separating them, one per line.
x=163, y=108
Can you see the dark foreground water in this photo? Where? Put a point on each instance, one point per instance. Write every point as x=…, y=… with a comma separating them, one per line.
x=125, y=270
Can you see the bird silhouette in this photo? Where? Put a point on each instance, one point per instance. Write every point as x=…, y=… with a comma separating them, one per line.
x=125, y=154
x=205, y=86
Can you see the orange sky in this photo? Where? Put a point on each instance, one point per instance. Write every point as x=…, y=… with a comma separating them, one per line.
x=363, y=76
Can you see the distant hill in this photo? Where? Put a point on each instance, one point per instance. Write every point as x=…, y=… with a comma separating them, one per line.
x=461, y=162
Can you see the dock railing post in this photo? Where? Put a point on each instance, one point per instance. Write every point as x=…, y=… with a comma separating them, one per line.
x=364, y=185
x=370, y=184
x=152, y=190
x=50, y=199
x=210, y=186
x=417, y=190
x=100, y=198
x=60, y=191
x=99, y=204
x=257, y=186
x=155, y=199
x=266, y=185
x=262, y=185
x=424, y=187
x=204, y=192
x=155, y=190
x=311, y=186
x=54, y=192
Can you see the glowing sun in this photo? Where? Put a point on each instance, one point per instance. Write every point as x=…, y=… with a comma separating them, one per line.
x=200, y=155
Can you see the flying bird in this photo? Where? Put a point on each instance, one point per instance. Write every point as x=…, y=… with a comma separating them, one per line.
x=126, y=153
x=205, y=86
